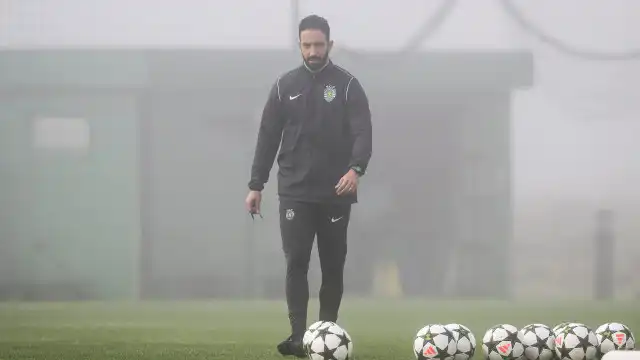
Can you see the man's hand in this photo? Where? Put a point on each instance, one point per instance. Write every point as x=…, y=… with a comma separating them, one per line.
x=348, y=183
x=253, y=201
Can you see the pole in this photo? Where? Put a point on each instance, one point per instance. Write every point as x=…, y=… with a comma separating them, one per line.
x=604, y=267
x=295, y=17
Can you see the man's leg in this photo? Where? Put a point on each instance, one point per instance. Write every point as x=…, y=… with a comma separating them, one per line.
x=298, y=230
x=332, y=250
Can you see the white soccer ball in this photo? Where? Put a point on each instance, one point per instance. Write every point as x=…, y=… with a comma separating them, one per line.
x=556, y=329
x=310, y=333
x=538, y=341
x=434, y=341
x=465, y=341
x=614, y=336
x=576, y=342
x=501, y=343
x=329, y=341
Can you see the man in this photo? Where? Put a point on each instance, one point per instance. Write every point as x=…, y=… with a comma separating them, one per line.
x=319, y=116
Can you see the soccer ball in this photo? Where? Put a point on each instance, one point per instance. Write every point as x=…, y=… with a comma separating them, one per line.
x=576, y=342
x=501, y=343
x=309, y=334
x=614, y=336
x=538, y=341
x=556, y=329
x=329, y=341
x=434, y=341
x=465, y=341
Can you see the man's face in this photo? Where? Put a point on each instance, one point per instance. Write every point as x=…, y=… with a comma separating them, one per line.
x=314, y=48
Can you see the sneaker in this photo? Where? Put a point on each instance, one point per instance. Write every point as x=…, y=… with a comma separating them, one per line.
x=290, y=347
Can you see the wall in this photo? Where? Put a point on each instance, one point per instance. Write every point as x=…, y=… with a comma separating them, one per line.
x=53, y=198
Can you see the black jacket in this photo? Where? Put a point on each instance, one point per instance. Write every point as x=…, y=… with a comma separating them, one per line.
x=322, y=123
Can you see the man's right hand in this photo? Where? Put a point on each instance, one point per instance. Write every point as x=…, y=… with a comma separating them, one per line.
x=253, y=202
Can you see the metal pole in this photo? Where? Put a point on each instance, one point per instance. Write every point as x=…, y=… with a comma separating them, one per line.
x=604, y=268
x=295, y=17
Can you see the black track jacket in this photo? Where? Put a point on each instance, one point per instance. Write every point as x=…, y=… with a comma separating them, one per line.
x=322, y=123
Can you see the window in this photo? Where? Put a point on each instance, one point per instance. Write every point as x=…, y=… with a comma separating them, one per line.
x=61, y=133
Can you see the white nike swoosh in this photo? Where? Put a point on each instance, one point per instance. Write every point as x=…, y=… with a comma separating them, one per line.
x=294, y=97
x=336, y=219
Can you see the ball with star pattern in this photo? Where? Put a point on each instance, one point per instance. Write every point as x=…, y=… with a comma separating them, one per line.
x=576, y=341
x=310, y=333
x=614, y=336
x=538, y=342
x=329, y=341
x=434, y=341
x=501, y=342
x=465, y=341
x=558, y=328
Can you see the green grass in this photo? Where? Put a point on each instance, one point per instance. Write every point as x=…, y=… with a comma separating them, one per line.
x=249, y=330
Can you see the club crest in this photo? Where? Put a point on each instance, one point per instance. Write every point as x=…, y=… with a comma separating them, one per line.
x=289, y=214
x=329, y=93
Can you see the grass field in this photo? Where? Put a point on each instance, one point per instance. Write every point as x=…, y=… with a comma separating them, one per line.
x=249, y=330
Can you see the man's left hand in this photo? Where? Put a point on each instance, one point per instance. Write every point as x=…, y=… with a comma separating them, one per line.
x=348, y=183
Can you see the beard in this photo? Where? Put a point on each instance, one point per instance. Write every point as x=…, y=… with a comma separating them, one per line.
x=315, y=63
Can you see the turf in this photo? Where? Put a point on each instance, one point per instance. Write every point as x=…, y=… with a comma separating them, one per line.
x=249, y=330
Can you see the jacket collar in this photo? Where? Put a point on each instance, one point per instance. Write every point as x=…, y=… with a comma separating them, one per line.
x=328, y=65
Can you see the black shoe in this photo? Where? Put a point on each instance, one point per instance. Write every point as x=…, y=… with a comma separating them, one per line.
x=290, y=347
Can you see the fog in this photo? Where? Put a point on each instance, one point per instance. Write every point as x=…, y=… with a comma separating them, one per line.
x=503, y=131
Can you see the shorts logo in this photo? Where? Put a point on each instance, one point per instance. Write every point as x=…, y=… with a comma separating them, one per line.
x=329, y=93
x=289, y=214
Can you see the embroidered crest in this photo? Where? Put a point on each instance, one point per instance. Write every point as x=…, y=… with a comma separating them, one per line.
x=289, y=214
x=329, y=93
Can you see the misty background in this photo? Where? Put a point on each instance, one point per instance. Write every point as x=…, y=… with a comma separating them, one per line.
x=501, y=129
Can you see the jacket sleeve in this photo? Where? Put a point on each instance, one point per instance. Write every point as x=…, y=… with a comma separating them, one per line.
x=269, y=137
x=359, y=116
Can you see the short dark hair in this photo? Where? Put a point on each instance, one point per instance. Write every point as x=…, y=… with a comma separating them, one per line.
x=317, y=23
